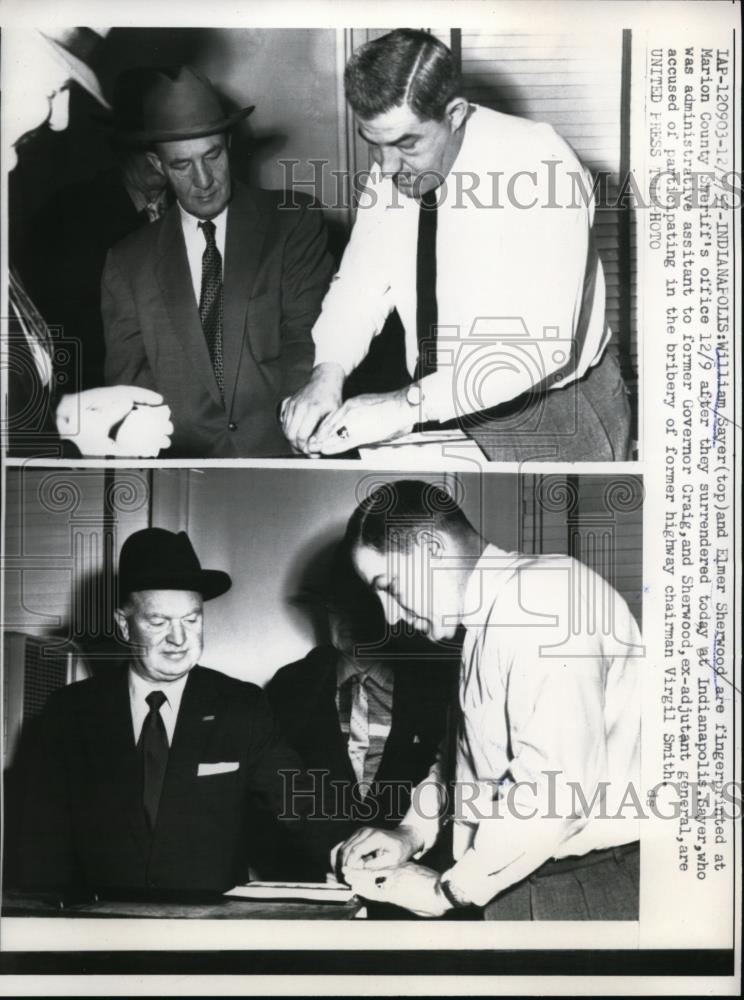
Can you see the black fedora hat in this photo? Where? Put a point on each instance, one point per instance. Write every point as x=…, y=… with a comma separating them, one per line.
x=156, y=559
x=184, y=106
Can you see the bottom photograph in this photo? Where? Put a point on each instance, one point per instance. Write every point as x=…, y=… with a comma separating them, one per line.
x=255, y=693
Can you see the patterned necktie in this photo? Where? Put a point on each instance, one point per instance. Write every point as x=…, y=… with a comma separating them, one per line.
x=426, y=286
x=153, y=747
x=210, y=303
x=358, y=726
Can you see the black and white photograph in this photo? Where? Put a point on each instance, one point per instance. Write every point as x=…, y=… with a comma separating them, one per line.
x=371, y=435
x=425, y=648
x=417, y=237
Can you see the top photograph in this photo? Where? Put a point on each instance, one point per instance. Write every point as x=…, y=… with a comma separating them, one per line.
x=325, y=243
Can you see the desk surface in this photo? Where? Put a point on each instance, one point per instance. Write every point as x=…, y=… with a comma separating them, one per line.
x=20, y=905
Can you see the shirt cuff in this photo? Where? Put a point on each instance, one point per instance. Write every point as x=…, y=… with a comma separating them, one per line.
x=326, y=353
x=438, y=396
x=468, y=879
x=425, y=817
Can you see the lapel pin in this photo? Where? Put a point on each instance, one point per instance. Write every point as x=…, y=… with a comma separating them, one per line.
x=207, y=718
x=416, y=738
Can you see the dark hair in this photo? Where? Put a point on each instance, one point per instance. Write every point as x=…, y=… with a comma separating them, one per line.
x=394, y=514
x=403, y=67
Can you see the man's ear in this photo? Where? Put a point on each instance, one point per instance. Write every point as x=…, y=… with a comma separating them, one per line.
x=430, y=542
x=154, y=160
x=456, y=112
x=122, y=623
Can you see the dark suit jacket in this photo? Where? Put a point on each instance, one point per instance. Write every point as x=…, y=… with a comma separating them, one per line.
x=71, y=238
x=276, y=272
x=302, y=696
x=83, y=822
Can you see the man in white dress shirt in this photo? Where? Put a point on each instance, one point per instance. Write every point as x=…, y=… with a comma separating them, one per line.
x=543, y=768
x=475, y=226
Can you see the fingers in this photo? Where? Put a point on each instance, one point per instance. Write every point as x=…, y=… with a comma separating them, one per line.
x=137, y=394
x=372, y=851
x=367, y=883
x=326, y=440
x=305, y=424
x=351, y=851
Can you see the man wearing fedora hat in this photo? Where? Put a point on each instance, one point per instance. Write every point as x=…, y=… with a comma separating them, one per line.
x=147, y=774
x=80, y=222
x=213, y=306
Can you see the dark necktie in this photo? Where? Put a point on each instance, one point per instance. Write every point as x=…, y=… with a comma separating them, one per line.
x=153, y=746
x=210, y=303
x=426, y=286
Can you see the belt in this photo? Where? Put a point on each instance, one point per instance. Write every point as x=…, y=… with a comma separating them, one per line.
x=560, y=865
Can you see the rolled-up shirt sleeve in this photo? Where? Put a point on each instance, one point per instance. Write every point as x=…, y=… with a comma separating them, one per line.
x=555, y=708
x=359, y=299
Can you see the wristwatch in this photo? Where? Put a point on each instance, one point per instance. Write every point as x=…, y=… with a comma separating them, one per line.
x=415, y=397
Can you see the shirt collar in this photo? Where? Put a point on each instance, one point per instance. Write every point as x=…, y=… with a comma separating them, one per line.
x=463, y=153
x=140, y=687
x=379, y=674
x=494, y=566
x=190, y=222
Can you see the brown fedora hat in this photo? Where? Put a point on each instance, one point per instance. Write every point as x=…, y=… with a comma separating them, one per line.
x=184, y=107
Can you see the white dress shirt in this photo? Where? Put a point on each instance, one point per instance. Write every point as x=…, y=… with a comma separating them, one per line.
x=139, y=688
x=196, y=244
x=510, y=281
x=546, y=685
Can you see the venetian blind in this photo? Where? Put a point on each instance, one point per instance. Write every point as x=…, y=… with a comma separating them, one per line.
x=597, y=519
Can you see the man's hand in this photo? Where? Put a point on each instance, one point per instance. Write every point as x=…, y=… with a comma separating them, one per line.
x=414, y=887
x=366, y=419
x=373, y=849
x=88, y=418
x=300, y=414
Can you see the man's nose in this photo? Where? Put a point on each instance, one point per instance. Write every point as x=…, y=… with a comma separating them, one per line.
x=390, y=161
x=393, y=611
x=202, y=176
x=176, y=634
x=59, y=110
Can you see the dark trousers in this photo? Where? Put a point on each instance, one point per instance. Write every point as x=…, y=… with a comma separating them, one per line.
x=601, y=885
x=587, y=421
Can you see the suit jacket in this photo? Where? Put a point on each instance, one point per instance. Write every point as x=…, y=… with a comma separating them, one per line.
x=276, y=271
x=71, y=238
x=303, y=698
x=83, y=823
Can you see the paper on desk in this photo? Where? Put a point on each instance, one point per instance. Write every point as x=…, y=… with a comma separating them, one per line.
x=421, y=448
x=312, y=892
x=420, y=438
